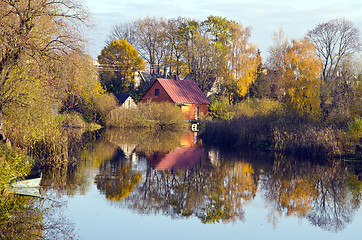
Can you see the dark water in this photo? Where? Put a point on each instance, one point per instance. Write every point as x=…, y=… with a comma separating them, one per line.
x=146, y=185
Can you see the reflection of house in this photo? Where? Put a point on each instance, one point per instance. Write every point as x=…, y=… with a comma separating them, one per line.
x=185, y=93
x=127, y=149
x=184, y=157
x=125, y=101
x=180, y=158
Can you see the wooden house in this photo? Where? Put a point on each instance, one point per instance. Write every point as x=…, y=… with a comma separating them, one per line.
x=185, y=93
x=125, y=101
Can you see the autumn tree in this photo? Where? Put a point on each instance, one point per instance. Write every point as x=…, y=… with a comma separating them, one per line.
x=296, y=70
x=242, y=62
x=198, y=50
x=120, y=62
x=302, y=78
x=219, y=29
x=35, y=30
x=204, y=62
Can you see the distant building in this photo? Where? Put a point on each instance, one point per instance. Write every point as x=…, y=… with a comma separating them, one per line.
x=185, y=93
x=125, y=101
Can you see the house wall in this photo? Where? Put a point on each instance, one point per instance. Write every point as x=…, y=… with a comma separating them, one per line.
x=129, y=103
x=150, y=94
x=189, y=110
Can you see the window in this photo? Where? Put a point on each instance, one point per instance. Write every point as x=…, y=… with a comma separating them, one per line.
x=157, y=92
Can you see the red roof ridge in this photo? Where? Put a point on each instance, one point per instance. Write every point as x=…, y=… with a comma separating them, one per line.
x=183, y=91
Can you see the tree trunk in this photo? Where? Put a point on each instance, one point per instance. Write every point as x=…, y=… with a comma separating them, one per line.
x=3, y=138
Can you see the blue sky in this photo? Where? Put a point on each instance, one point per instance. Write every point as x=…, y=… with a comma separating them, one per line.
x=265, y=17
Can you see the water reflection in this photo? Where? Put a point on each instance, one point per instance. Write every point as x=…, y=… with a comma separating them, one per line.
x=320, y=193
x=116, y=179
x=175, y=175
x=24, y=217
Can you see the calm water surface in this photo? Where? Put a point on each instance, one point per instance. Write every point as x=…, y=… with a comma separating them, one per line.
x=143, y=185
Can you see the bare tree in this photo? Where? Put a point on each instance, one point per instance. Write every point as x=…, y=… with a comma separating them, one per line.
x=335, y=40
x=35, y=30
x=276, y=64
x=176, y=45
x=127, y=31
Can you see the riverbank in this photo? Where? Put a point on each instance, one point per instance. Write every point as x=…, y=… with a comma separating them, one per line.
x=267, y=126
x=288, y=134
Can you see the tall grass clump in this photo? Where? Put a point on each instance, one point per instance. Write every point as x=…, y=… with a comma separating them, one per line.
x=12, y=165
x=39, y=136
x=165, y=116
x=308, y=140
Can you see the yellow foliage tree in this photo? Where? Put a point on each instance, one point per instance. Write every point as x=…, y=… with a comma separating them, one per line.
x=120, y=62
x=243, y=60
x=302, y=78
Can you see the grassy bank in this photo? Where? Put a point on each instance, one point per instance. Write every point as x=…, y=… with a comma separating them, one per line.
x=268, y=126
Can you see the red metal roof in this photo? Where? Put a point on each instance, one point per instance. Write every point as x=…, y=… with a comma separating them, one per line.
x=183, y=91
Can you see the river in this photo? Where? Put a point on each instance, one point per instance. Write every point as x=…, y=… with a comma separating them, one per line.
x=131, y=184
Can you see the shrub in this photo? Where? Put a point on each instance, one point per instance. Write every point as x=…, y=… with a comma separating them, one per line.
x=355, y=129
x=148, y=115
x=98, y=107
x=260, y=107
x=73, y=120
x=221, y=109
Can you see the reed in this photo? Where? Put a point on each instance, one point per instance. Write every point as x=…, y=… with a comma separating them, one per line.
x=292, y=135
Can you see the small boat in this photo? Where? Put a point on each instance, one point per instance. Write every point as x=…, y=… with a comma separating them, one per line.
x=27, y=187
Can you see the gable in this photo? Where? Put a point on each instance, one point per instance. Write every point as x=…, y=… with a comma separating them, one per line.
x=121, y=98
x=150, y=94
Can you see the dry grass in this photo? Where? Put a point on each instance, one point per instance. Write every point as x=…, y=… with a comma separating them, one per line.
x=308, y=140
x=289, y=134
x=165, y=116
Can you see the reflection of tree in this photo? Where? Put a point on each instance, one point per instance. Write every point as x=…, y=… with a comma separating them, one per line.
x=116, y=179
x=18, y=219
x=211, y=194
x=73, y=177
x=32, y=218
x=332, y=209
x=316, y=192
